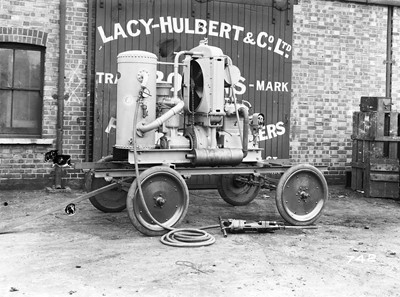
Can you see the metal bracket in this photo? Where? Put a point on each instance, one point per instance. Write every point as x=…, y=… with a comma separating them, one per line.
x=287, y=13
x=393, y=62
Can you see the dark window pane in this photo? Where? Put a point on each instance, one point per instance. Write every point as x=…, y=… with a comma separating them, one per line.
x=6, y=66
x=27, y=69
x=21, y=86
x=5, y=109
x=26, y=109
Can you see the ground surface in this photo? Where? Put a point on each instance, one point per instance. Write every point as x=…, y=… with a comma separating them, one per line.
x=354, y=252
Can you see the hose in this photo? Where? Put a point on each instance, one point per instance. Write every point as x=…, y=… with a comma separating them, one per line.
x=176, y=237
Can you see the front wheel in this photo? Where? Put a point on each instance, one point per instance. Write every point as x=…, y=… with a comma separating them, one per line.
x=166, y=198
x=301, y=195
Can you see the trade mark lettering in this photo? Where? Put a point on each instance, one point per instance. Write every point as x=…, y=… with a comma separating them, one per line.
x=272, y=86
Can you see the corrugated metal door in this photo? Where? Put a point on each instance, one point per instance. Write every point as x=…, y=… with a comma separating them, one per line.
x=256, y=34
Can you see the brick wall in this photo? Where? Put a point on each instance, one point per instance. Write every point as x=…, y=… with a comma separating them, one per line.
x=37, y=22
x=339, y=49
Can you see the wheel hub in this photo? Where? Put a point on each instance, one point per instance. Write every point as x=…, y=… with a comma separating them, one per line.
x=160, y=201
x=303, y=194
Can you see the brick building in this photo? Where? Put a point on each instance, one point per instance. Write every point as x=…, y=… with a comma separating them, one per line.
x=339, y=49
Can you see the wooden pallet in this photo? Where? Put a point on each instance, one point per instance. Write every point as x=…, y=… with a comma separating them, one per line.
x=376, y=177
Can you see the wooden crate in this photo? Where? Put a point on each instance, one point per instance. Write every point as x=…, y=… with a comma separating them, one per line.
x=377, y=178
x=377, y=133
x=363, y=150
x=375, y=104
x=376, y=125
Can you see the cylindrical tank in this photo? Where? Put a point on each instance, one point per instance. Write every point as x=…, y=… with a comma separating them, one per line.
x=136, y=69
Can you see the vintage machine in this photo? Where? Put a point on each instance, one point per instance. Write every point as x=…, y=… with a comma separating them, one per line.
x=166, y=133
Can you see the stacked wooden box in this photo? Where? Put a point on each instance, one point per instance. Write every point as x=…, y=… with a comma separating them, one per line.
x=376, y=149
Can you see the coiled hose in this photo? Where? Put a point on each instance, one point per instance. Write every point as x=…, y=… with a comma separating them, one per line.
x=176, y=237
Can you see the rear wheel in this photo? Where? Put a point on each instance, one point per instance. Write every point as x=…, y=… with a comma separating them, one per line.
x=238, y=190
x=111, y=201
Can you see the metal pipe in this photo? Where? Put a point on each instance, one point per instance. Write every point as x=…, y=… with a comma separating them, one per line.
x=389, y=46
x=176, y=67
x=376, y=2
x=165, y=117
x=61, y=90
x=245, y=132
x=88, y=81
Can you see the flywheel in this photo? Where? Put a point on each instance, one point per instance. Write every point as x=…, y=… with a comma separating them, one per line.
x=238, y=190
x=301, y=194
x=111, y=201
x=166, y=196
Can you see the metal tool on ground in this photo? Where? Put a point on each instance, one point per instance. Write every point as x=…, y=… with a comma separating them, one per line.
x=243, y=226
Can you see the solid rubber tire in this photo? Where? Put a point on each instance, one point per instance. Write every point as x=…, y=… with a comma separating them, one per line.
x=235, y=194
x=109, y=202
x=133, y=200
x=280, y=198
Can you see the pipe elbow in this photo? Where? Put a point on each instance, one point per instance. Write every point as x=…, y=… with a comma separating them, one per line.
x=162, y=119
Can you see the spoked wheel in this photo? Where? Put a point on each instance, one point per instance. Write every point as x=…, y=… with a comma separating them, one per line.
x=166, y=196
x=238, y=190
x=301, y=194
x=111, y=201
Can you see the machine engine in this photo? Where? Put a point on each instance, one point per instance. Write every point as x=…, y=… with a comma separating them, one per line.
x=197, y=121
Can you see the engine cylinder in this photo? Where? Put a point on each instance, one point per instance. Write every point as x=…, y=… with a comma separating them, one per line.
x=137, y=72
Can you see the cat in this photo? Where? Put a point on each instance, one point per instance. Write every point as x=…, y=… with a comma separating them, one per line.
x=58, y=160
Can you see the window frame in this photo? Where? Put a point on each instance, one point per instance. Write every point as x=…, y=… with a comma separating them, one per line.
x=25, y=132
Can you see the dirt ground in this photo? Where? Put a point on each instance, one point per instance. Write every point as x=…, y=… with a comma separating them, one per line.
x=354, y=252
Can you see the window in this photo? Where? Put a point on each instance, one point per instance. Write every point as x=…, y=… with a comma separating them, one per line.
x=21, y=89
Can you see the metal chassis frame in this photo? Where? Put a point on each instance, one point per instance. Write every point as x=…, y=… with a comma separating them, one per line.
x=124, y=169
